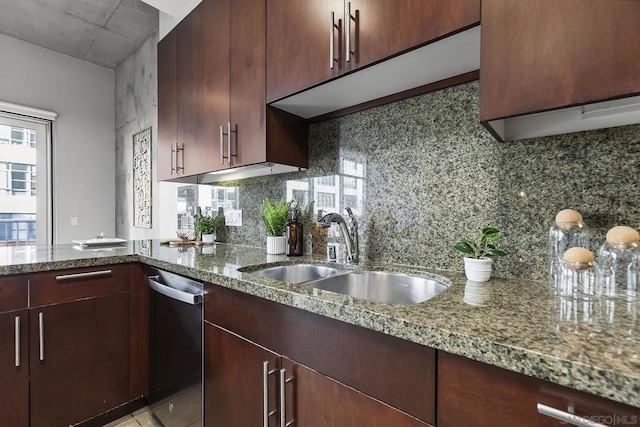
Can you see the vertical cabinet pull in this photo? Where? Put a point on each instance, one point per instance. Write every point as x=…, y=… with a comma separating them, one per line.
x=177, y=150
x=173, y=169
x=229, y=132
x=332, y=29
x=221, y=145
x=17, y=341
x=265, y=393
x=41, y=333
x=283, y=403
x=567, y=418
x=348, y=35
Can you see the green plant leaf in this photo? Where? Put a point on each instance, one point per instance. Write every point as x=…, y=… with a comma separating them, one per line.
x=463, y=247
x=490, y=230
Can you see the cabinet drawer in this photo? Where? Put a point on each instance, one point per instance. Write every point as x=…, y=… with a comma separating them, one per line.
x=395, y=371
x=474, y=393
x=80, y=283
x=14, y=292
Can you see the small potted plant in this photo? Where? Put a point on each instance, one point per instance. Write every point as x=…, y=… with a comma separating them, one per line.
x=275, y=216
x=207, y=227
x=479, y=252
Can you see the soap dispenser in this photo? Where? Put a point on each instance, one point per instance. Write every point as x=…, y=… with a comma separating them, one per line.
x=294, y=235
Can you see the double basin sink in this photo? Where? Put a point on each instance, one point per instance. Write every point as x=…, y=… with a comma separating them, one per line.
x=377, y=286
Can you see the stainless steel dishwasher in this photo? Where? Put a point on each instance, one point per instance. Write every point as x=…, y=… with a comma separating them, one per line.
x=175, y=353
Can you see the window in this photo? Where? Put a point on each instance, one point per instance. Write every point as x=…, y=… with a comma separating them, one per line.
x=17, y=179
x=326, y=200
x=326, y=180
x=25, y=182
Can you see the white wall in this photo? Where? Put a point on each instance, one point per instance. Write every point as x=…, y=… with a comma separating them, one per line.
x=167, y=21
x=83, y=96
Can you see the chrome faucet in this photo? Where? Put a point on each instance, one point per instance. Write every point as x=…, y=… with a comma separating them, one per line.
x=349, y=232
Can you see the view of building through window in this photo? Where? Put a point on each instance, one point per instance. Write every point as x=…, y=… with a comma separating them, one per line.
x=208, y=197
x=333, y=193
x=17, y=185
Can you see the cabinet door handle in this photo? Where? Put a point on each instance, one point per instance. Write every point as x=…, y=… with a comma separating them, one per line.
x=90, y=274
x=41, y=334
x=173, y=169
x=566, y=417
x=332, y=28
x=265, y=393
x=283, y=382
x=221, y=145
x=348, y=35
x=178, y=149
x=17, y=341
x=229, y=140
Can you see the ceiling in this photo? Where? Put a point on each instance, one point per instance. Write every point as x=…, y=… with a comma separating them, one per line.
x=104, y=32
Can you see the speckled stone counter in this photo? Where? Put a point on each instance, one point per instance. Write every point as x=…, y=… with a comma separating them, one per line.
x=592, y=346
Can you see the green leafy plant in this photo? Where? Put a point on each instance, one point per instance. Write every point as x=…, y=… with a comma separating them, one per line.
x=207, y=224
x=482, y=246
x=275, y=216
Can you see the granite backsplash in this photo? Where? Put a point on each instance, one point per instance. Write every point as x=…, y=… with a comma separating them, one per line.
x=426, y=172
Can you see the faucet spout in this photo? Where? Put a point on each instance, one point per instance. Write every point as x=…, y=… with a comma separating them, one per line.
x=349, y=232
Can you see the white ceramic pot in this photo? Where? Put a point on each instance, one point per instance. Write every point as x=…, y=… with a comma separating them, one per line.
x=477, y=293
x=208, y=238
x=478, y=270
x=276, y=245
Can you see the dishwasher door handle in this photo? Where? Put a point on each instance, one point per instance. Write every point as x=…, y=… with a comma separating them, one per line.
x=189, y=298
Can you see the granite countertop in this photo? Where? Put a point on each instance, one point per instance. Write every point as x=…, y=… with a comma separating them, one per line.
x=520, y=325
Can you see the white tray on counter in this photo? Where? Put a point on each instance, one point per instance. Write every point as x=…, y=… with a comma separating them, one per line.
x=95, y=243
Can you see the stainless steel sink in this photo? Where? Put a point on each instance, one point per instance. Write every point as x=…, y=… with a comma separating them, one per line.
x=298, y=273
x=381, y=286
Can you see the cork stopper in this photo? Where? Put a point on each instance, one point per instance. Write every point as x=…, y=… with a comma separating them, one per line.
x=568, y=219
x=622, y=237
x=578, y=258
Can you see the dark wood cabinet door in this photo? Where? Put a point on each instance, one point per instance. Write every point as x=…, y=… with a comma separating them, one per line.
x=195, y=154
x=167, y=106
x=313, y=400
x=545, y=54
x=14, y=369
x=247, y=82
x=471, y=393
x=82, y=368
x=383, y=28
x=298, y=44
x=233, y=380
x=215, y=74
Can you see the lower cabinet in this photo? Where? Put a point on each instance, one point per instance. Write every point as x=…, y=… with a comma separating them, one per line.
x=14, y=351
x=475, y=394
x=14, y=369
x=248, y=385
x=325, y=372
x=78, y=344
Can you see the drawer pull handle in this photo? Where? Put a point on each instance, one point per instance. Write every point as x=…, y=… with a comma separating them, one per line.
x=222, y=157
x=566, y=417
x=17, y=341
x=91, y=274
x=41, y=334
x=349, y=18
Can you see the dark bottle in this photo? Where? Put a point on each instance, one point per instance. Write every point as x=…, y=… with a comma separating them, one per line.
x=294, y=235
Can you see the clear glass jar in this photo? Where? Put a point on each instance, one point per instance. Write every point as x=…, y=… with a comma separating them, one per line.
x=618, y=260
x=579, y=274
x=568, y=231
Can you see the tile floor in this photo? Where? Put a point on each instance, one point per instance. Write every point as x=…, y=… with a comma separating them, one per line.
x=186, y=412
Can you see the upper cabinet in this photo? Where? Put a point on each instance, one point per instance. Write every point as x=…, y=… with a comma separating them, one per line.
x=312, y=42
x=212, y=114
x=547, y=66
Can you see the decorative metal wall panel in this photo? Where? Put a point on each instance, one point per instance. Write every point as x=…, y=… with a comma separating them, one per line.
x=142, y=179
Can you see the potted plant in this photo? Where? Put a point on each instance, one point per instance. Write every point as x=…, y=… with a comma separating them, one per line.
x=207, y=227
x=479, y=253
x=275, y=217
